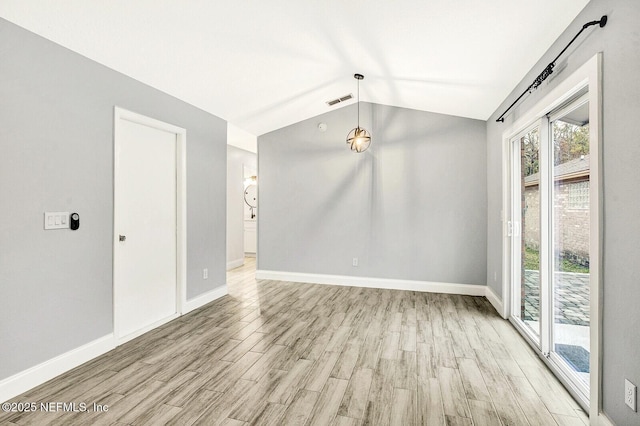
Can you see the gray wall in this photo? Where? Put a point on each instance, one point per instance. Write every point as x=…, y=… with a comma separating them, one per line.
x=236, y=159
x=56, y=140
x=411, y=207
x=620, y=43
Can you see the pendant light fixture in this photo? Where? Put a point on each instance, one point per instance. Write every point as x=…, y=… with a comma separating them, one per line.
x=359, y=139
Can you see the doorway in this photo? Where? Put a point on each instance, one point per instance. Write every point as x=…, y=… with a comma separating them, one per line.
x=149, y=235
x=553, y=238
x=250, y=197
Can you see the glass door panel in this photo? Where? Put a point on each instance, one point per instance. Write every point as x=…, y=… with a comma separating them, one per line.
x=526, y=231
x=570, y=344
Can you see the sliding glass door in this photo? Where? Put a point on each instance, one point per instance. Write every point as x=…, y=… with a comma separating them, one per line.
x=550, y=236
x=570, y=344
x=525, y=229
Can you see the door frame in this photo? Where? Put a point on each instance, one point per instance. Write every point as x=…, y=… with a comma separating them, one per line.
x=120, y=114
x=588, y=75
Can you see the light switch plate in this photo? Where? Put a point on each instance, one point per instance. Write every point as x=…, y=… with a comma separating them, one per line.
x=56, y=220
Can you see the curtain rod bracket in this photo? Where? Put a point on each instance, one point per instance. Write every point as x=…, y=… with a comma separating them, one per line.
x=549, y=68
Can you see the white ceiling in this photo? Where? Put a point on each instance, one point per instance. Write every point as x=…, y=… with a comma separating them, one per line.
x=265, y=64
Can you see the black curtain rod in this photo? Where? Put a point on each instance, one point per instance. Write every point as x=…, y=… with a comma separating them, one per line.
x=549, y=69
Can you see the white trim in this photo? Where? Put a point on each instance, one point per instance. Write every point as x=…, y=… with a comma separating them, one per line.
x=589, y=74
x=603, y=420
x=235, y=263
x=506, y=214
x=596, y=208
x=495, y=301
x=203, y=299
x=181, y=217
x=124, y=339
x=546, y=238
x=181, y=211
x=392, y=284
x=23, y=381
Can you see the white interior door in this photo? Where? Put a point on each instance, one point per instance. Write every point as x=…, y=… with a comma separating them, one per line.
x=145, y=220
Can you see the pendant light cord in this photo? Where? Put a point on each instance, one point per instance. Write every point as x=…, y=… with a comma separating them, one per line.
x=358, y=104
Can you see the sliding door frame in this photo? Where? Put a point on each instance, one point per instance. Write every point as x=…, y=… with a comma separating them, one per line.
x=589, y=75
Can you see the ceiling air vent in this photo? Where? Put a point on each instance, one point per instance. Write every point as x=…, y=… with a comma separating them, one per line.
x=344, y=98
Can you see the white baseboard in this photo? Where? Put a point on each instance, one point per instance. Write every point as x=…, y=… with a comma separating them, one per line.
x=496, y=301
x=34, y=376
x=203, y=299
x=235, y=263
x=345, y=280
x=124, y=339
x=603, y=420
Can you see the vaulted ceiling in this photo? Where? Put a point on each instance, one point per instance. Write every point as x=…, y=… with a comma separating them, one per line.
x=265, y=64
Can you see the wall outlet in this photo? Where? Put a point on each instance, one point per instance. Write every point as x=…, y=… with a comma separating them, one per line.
x=355, y=261
x=630, y=391
x=205, y=273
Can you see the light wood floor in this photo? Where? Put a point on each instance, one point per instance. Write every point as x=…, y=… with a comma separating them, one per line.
x=280, y=353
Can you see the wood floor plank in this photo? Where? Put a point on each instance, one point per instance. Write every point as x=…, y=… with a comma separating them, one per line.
x=549, y=391
x=568, y=420
x=472, y=380
x=339, y=339
x=237, y=352
x=229, y=376
x=160, y=415
x=347, y=360
x=231, y=422
x=483, y=413
x=533, y=408
x=181, y=395
x=443, y=354
x=403, y=408
x=391, y=345
x=301, y=348
x=424, y=333
x=429, y=402
x=504, y=401
x=406, y=371
x=248, y=406
x=321, y=371
x=458, y=421
x=288, y=386
x=218, y=412
x=131, y=406
x=191, y=410
x=381, y=394
x=318, y=345
x=408, y=338
x=300, y=408
x=263, y=364
x=370, y=350
x=354, y=402
x=453, y=396
x=425, y=363
x=269, y=414
x=345, y=421
x=328, y=403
